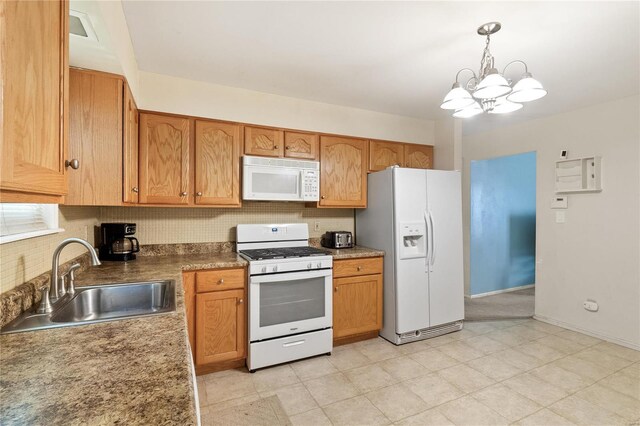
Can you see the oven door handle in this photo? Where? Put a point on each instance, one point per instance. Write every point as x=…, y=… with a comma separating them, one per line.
x=291, y=276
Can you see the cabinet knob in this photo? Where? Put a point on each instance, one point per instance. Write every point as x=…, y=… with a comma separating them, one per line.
x=286, y=147
x=135, y=189
x=335, y=289
x=322, y=197
x=275, y=147
x=241, y=301
x=73, y=163
x=220, y=281
x=183, y=194
x=359, y=268
x=199, y=194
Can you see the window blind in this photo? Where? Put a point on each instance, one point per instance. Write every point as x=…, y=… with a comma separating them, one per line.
x=22, y=218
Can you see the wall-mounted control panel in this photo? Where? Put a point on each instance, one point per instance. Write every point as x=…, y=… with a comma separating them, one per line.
x=413, y=240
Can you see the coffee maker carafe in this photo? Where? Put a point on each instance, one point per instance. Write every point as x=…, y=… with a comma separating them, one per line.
x=117, y=241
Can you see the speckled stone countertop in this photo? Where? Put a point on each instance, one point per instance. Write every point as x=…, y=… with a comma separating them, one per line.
x=348, y=253
x=132, y=372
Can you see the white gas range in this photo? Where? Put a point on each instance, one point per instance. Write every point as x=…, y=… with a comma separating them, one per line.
x=290, y=294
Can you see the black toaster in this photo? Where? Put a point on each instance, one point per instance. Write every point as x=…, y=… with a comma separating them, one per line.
x=337, y=239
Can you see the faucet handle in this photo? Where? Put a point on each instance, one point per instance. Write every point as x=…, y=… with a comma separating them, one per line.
x=71, y=272
x=45, y=306
x=62, y=289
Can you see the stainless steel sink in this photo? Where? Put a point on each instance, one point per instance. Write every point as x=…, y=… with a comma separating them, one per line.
x=108, y=302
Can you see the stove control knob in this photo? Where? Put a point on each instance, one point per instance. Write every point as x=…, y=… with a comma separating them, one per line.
x=319, y=265
x=309, y=266
x=264, y=269
x=275, y=269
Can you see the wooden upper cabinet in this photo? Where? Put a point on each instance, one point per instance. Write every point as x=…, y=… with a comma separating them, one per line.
x=130, y=185
x=357, y=305
x=301, y=145
x=418, y=156
x=164, y=163
x=263, y=141
x=384, y=154
x=217, y=158
x=343, y=172
x=220, y=326
x=34, y=76
x=95, y=138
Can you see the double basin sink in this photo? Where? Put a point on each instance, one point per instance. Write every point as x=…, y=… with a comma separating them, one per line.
x=99, y=303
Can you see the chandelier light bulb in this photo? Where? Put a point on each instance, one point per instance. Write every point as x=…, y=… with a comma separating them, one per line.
x=457, y=98
x=527, y=89
x=503, y=106
x=492, y=86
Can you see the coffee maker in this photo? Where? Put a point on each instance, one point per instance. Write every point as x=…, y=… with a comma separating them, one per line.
x=117, y=241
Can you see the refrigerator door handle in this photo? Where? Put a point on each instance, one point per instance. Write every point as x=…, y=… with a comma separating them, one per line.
x=433, y=243
x=427, y=223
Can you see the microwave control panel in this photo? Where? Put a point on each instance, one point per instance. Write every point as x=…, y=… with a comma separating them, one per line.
x=310, y=185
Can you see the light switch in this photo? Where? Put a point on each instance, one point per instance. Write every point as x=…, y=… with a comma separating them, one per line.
x=560, y=217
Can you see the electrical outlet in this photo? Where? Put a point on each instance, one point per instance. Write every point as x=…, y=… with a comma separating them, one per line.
x=591, y=305
x=316, y=226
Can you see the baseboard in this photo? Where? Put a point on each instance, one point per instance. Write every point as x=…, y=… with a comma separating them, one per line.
x=617, y=341
x=505, y=290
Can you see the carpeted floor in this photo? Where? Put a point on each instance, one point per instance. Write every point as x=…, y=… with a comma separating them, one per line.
x=515, y=304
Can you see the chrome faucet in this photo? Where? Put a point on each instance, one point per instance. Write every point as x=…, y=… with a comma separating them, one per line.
x=56, y=292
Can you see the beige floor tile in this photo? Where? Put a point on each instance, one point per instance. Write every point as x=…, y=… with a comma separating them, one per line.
x=535, y=389
x=294, y=399
x=403, y=368
x=518, y=359
x=584, y=368
x=460, y=351
x=506, y=402
x=632, y=371
x=202, y=393
x=332, y=388
x=431, y=417
x=468, y=411
x=544, y=417
x=434, y=342
x=479, y=327
x=462, y=334
x=561, y=344
x=355, y=411
x=396, y=402
x=619, y=351
x=465, y=378
x=612, y=362
x=313, y=367
x=229, y=387
x=314, y=417
x=529, y=331
x=379, y=350
x=623, y=383
x=611, y=400
x=557, y=376
x=433, y=389
x=494, y=368
x=507, y=337
x=369, y=377
x=574, y=336
x=538, y=350
x=545, y=327
x=580, y=411
x=433, y=359
x=263, y=412
x=502, y=324
x=485, y=344
x=274, y=377
x=413, y=347
x=347, y=358
x=223, y=405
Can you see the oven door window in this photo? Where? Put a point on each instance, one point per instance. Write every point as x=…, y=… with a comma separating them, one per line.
x=275, y=183
x=283, y=302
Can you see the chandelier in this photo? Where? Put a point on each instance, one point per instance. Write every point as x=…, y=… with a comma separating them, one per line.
x=490, y=91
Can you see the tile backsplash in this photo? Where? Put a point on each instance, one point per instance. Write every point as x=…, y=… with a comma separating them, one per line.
x=23, y=260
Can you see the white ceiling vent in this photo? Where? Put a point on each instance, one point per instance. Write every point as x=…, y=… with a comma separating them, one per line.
x=80, y=25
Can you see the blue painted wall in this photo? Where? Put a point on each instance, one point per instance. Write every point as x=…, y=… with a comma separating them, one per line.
x=503, y=223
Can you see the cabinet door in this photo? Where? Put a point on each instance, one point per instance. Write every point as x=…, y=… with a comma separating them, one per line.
x=265, y=142
x=343, y=172
x=384, y=154
x=35, y=95
x=217, y=163
x=164, y=159
x=418, y=156
x=220, y=326
x=357, y=305
x=95, y=138
x=130, y=187
x=301, y=145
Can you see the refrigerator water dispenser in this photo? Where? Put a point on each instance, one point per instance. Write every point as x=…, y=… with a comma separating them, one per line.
x=413, y=240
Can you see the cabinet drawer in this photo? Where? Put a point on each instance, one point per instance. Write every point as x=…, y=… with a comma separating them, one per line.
x=355, y=267
x=221, y=279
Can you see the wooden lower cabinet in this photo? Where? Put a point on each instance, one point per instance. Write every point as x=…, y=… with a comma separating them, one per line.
x=357, y=299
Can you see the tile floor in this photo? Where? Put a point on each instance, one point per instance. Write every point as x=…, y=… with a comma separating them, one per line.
x=521, y=372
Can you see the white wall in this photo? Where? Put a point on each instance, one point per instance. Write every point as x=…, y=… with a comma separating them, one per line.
x=448, y=144
x=594, y=255
x=176, y=95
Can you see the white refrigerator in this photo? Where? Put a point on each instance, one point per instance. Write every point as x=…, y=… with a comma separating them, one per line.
x=415, y=216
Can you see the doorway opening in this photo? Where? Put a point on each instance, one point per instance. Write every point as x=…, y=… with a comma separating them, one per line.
x=502, y=238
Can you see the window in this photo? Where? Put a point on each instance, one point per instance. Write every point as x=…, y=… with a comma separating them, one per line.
x=22, y=221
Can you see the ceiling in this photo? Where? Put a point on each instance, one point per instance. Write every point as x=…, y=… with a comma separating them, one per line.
x=393, y=57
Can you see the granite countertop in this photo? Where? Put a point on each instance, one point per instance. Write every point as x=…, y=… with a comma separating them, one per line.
x=135, y=371
x=354, y=252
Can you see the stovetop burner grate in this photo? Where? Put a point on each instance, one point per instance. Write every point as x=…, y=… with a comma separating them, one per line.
x=283, y=252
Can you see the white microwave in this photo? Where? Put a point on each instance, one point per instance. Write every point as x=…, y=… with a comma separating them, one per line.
x=280, y=179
